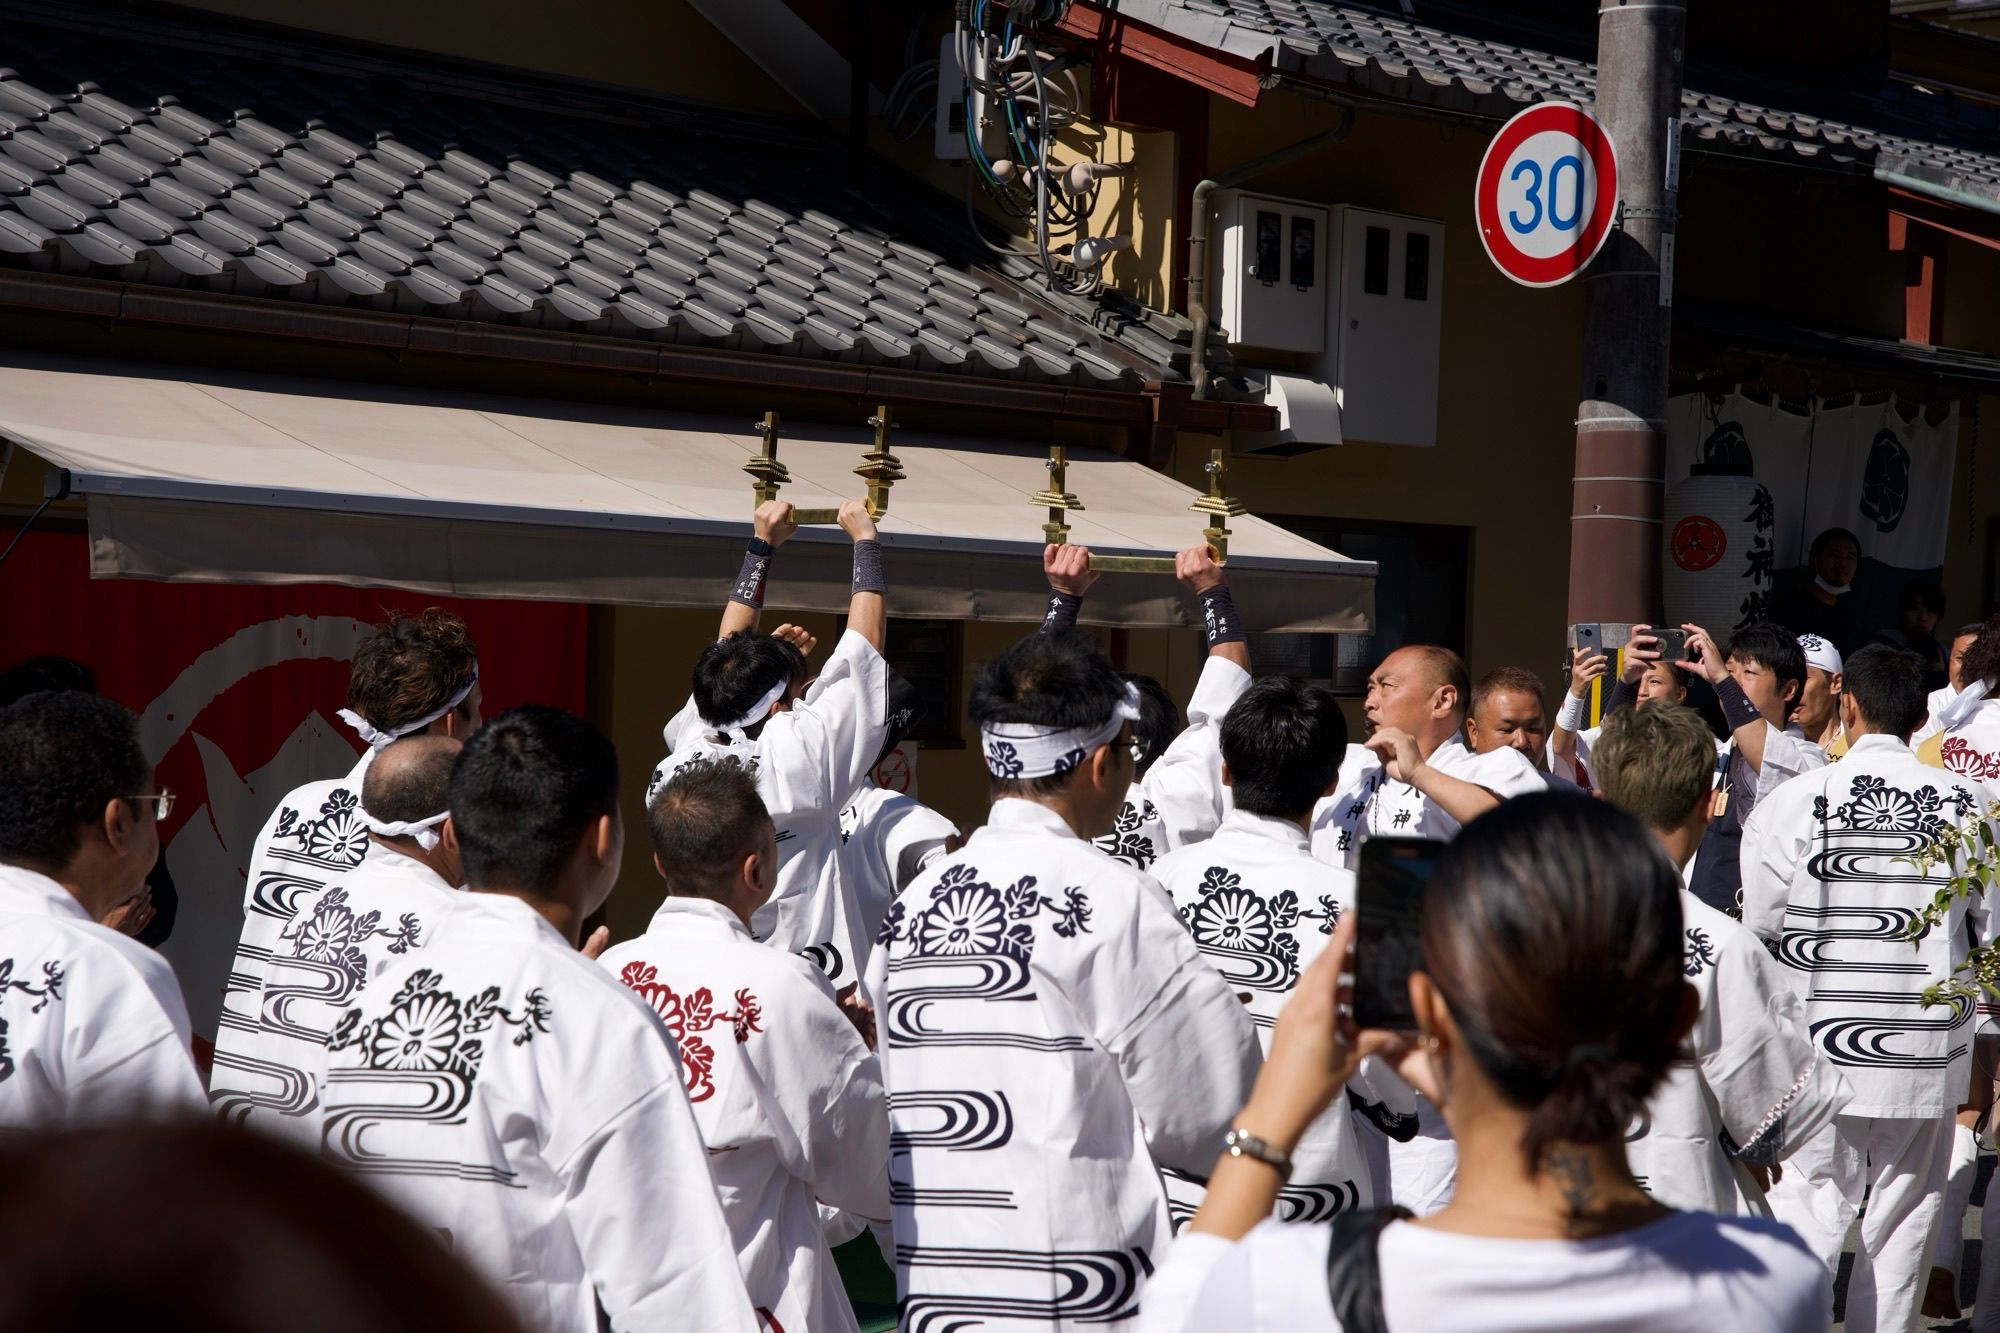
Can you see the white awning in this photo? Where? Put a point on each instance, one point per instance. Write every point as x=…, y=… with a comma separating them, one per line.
x=206, y=476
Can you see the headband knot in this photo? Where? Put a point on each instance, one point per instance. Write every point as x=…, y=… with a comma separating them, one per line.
x=379, y=738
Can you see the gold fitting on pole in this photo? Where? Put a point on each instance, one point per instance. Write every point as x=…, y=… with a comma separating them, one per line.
x=1056, y=498
x=767, y=474
x=1220, y=506
x=880, y=468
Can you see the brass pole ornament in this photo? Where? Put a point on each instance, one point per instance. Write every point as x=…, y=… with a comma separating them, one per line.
x=879, y=468
x=1058, y=500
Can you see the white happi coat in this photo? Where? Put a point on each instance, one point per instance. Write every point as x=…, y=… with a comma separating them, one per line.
x=1260, y=907
x=366, y=918
x=313, y=838
x=1367, y=804
x=1756, y=1088
x=808, y=760
x=1972, y=749
x=1826, y=886
x=92, y=1025
x=507, y=1093
x=1048, y=1032
x=886, y=839
x=1181, y=799
x=788, y=1098
x=1933, y=706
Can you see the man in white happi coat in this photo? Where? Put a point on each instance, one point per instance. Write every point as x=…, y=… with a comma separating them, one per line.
x=1757, y=1088
x=1818, y=714
x=1415, y=777
x=1507, y=712
x=411, y=675
x=509, y=1094
x=1048, y=1031
x=1758, y=684
x=364, y=919
x=811, y=742
x=1832, y=884
x=1177, y=797
x=787, y=1094
x=1260, y=907
x=887, y=836
x=92, y=1026
x=1924, y=739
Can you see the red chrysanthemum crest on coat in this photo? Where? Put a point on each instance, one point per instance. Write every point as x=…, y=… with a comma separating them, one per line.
x=688, y=1016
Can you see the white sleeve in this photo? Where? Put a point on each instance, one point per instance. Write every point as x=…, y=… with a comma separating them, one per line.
x=1506, y=773
x=1785, y=757
x=682, y=727
x=1185, y=782
x=1183, y=1041
x=126, y=1043
x=1756, y=1055
x=847, y=714
x=644, y=1210
x=831, y=1091
x=1169, y=1301
x=1776, y=837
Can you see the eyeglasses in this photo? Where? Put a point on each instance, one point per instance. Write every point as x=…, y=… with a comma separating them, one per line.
x=163, y=802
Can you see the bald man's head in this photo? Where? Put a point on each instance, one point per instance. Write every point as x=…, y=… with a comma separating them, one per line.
x=410, y=780
x=1421, y=689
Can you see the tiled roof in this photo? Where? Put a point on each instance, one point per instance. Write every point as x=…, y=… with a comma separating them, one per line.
x=1899, y=128
x=242, y=163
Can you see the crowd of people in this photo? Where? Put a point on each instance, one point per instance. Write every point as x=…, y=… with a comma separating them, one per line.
x=1093, y=1061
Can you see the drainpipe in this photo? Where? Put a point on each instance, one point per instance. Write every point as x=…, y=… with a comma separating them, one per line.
x=1198, y=234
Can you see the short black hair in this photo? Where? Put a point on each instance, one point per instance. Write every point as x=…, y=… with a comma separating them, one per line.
x=64, y=756
x=525, y=788
x=1777, y=650
x=734, y=673
x=35, y=674
x=1283, y=741
x=1888, y=686
x=1920, y=592
x=1819, y=543
x=1159, y=720
x=1057, y=680
x=410, y=780
x=703, y=821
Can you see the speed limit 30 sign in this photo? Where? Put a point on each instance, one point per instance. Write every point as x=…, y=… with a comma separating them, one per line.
x=1548, y=189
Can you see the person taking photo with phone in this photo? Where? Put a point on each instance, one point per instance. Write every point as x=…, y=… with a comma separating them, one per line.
x=1550, y=1004
x=1645, y=678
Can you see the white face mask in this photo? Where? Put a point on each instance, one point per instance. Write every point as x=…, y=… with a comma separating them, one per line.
x=1835, y=588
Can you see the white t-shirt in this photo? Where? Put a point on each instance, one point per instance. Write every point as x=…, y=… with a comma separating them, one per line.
x=1686, y=1273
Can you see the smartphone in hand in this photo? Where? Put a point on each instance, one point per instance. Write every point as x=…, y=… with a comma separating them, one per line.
x=1389, y=892
x=1590, y=638
x=1673, y=644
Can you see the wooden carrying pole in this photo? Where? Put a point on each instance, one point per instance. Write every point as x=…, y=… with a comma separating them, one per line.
x=1220, y=507
x=879, y=468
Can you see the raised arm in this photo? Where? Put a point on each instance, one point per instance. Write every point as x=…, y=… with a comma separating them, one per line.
x=1747, y=727
x=867, y=607
x=1221, y=627
x=771, y=525
x=1068, y=571
x=1584, y=667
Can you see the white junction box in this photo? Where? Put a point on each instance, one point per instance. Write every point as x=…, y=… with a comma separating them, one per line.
x=1271, y=272
x=1384, y=325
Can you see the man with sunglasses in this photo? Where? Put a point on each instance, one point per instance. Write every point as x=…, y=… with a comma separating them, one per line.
x=92, y=1025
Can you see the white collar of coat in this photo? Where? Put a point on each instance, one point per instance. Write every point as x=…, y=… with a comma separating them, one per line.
x=1874, y=741
x=1015, y=812
x=1268, y=827
x=507, y=910
x=32, y=893
x=704, y=915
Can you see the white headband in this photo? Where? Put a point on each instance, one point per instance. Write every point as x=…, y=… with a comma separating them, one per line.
x=1819, y=653
x=423, y=830
x=381, y=740
x=1021, y=750
x=758, y=711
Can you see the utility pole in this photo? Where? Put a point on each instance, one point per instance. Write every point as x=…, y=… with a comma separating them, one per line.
x=1618, y=490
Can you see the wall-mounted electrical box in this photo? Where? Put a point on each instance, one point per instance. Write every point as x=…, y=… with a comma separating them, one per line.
x=1384, y=325
x=948, y=131
x=1271, y=272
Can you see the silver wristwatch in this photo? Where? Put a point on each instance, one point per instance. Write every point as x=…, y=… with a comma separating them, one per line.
x=1241, y=1143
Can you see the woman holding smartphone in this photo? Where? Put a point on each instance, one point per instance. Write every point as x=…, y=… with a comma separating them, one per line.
x=1550, y=1004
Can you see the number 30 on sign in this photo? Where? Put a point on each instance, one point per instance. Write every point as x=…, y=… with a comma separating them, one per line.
x=1547, y=192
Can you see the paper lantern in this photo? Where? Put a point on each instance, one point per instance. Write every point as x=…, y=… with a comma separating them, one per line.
x=1717, y=555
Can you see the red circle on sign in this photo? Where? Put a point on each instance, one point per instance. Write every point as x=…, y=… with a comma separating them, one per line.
x=1530, y=270
x=1698, y=543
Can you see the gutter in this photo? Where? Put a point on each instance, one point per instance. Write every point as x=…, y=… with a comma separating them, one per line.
x=1198, y=234
x=109, y=302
